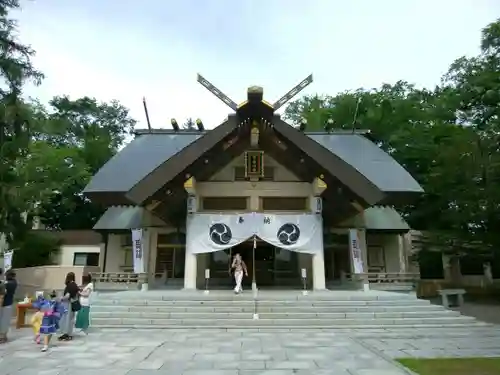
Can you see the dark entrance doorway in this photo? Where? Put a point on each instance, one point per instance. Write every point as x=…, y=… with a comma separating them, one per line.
x=274, y=267
x=264, y=263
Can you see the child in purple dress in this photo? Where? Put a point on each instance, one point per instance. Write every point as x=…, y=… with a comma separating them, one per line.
x=52, y=310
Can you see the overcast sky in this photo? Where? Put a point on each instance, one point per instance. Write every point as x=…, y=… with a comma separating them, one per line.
x=154, y=48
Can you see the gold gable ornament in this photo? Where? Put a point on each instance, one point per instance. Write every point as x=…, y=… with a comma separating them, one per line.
x=190, y=185
x=254, y=137
x=319, y=186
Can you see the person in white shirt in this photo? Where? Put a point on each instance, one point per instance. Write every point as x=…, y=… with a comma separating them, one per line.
x=239, y=267
x=83, y=316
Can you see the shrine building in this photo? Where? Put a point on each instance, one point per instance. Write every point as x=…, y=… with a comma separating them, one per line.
x=309, y=209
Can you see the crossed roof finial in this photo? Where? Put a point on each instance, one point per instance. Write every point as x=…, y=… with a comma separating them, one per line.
x=255, y=91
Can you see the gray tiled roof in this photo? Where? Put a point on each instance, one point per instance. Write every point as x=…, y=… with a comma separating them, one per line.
x=373, y=162
x=142, y=155
x=148, y=151
x=379, y=218
x=127, y=217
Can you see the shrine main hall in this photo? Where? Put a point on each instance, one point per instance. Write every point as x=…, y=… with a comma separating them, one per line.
x=304, y=209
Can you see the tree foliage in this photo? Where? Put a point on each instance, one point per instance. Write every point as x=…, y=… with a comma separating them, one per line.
x=15, y=70
x=189, y=124
x=79, y=136
x=448, y=138
x=47, y=153
x=34, y=249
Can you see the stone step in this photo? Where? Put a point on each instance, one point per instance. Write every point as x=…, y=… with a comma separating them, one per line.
x=268, y=296
x=285, y=328
x=272, y=315
x=280, y=310
x=227, y=295
x=270, y=308
x=247, y=302
x=249, y=322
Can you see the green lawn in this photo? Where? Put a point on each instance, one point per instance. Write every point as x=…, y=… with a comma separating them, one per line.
x=453, y=366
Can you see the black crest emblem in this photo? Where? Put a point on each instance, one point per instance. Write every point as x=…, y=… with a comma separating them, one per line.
x=288, y=234
x=220, y=234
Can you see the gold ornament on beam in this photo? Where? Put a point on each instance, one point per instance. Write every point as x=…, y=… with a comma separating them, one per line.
x=190, y=185
x=254, y=137
x=319, y=186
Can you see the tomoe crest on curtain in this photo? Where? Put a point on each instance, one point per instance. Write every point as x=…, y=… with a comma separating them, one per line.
x=214, y=232
x=288, y=234
x=220, y=233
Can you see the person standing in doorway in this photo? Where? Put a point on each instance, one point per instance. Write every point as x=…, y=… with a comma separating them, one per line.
x=239, y=267
x=83, y=316
x=6, y=310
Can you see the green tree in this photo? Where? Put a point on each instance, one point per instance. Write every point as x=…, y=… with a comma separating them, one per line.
x=189, y=124
x=15, y=70
x=34, y=248
x=476, y=83
x=447, y=138
x=76, y=138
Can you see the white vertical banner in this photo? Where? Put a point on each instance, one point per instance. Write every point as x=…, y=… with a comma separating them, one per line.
x=401, y=253
x=254, y=281
x=355, y=248
x=138, y=250
x=7, y=259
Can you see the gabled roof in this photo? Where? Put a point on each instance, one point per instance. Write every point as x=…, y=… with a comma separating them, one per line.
x=127, y=217
x=136, y=160
x=381, y=218
x=363, y=164
x=370, y=160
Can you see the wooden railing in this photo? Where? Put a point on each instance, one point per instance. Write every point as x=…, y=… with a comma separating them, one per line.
x=118, y=280
x=403, y=278
x=387, y=277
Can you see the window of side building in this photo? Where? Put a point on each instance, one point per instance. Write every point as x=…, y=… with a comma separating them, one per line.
x=86, y=259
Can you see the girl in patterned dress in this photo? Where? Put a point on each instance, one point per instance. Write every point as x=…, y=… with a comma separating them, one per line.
x=36, y=323
x=52, y=311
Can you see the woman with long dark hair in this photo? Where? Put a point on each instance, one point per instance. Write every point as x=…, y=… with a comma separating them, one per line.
x=71, y=303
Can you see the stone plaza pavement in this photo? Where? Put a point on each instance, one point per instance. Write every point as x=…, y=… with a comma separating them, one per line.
x=434, y=343
x=246, y=352
x=190, y=352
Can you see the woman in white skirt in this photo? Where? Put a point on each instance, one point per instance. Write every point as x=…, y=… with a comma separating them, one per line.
x=6, y=309
x=239, y=268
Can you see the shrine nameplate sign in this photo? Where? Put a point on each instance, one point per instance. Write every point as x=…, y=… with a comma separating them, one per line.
x=254, y=164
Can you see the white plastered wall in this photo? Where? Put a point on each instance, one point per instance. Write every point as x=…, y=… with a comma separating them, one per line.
x=66, y=255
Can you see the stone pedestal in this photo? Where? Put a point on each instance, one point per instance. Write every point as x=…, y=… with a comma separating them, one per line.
x=190, y=271
x=318, y=271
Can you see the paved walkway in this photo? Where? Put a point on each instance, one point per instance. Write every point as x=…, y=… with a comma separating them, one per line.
x=207, y=352
x=434, y=343
x=192, y=352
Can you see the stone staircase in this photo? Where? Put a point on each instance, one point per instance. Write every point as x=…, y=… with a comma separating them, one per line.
x=285, y=309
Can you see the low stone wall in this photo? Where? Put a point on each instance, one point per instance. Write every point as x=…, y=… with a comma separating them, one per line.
x=429, y=288
x=48, y=278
